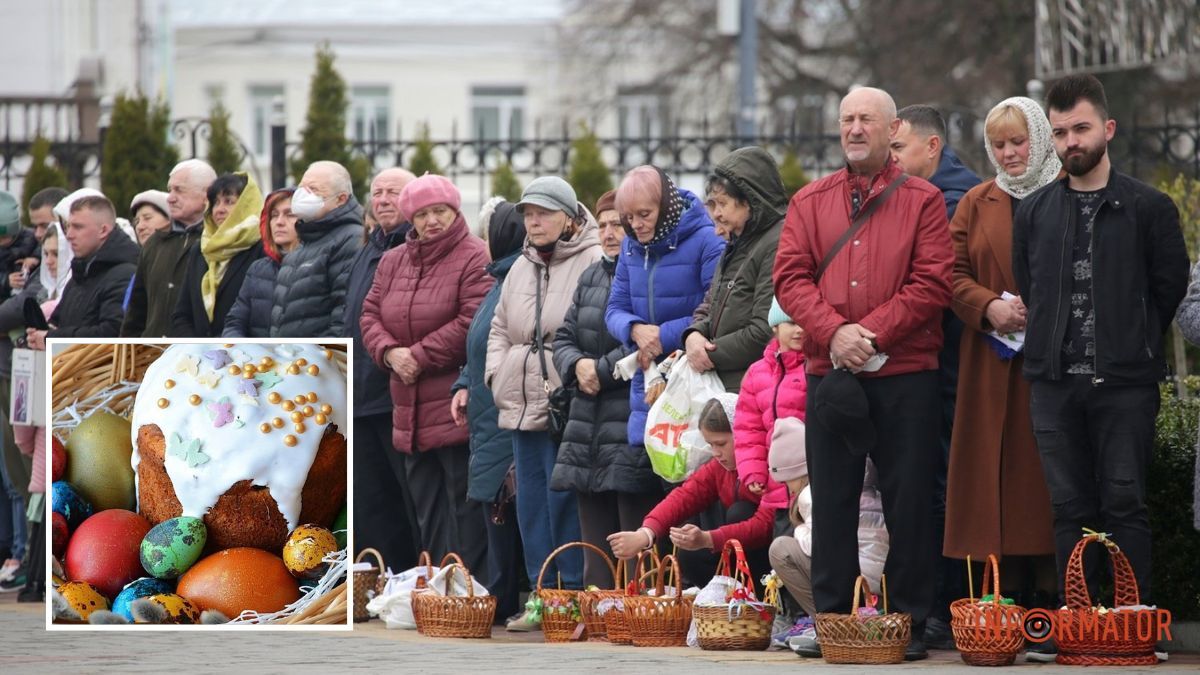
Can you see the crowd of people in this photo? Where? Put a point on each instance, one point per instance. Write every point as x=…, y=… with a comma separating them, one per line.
x=933, y=366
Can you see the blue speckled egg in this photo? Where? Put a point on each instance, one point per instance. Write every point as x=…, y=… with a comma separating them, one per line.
x=139, y=588
x=66, y=500
x=172, y=546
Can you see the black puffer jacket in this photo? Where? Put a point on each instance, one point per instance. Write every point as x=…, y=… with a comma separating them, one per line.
x=91, y=302
x=250, y=315
x=310, y=289
x=595, y=455
x=24, y=245
x=372, y=395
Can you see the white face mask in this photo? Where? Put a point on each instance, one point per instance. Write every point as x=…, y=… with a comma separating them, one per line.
x=306, y=205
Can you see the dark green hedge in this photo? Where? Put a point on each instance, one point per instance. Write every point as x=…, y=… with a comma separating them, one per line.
x=1170, y=496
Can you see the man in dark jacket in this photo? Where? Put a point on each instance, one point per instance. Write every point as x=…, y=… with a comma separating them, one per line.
x=1101, y=263
x=17, y=245
x=310, y=289
x=385, y=518
x=920, y=149
x=882, y=293
x=105, y=259
x=162, y=265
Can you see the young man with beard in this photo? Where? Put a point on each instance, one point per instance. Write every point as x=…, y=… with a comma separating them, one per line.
x=1101, y=263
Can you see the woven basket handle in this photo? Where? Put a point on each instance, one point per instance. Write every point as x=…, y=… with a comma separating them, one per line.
x=1125, y=588
x=639, y=578
x=861, y=587
x=578, y=544
x=449, y=570
x=732, y=551
x=993, y=566
x=374, y=552
x=660, y=579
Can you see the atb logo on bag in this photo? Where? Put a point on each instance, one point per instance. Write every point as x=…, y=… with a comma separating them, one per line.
x=667, y=434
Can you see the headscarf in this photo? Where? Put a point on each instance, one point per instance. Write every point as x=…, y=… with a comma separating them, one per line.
x=505, y=227
x=670, y=209
x=219, y=244
x=54, y=287
x=728, y=404
x=264, y=222
x=1044, y=164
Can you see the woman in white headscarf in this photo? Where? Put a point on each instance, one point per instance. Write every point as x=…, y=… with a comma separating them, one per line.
x=996, y=498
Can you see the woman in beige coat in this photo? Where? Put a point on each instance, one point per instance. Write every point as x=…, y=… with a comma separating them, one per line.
x=561, y=242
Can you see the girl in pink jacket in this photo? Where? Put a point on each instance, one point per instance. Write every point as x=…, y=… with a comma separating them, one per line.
x=773, y=387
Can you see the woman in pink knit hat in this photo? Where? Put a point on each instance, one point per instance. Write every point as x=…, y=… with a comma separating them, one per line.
x=414, y=325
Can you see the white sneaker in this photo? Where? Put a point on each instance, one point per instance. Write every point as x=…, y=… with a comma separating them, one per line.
x=523, y=624
x=9, y=568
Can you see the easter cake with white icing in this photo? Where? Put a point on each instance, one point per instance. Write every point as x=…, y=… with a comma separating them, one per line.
x=247, y=437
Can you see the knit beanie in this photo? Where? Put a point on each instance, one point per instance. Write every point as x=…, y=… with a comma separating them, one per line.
x=787, y=458
x=777, y=316
x=607, y=202
x=10, y=215
x=426, y=191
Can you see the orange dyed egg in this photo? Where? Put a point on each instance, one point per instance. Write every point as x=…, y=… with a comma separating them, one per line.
x=238, y=579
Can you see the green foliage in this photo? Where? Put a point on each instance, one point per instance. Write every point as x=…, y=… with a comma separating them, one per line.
x=41, y=175
x=224, y=153
x=1169, y=493
x=423, y=161
x=588, y=173
x=324, y=133
x=137, y=155
x=1186, y=194
x=505, y=183
x=792, y=173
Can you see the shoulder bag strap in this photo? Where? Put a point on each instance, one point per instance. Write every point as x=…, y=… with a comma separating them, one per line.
x=857, y=223
x=539, y=342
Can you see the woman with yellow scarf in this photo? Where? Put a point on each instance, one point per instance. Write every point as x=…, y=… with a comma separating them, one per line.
x=217, y=266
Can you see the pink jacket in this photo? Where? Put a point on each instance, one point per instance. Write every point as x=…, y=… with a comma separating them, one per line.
x=773, y=387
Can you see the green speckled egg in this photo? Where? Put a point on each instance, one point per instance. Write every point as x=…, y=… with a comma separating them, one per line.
x=172, y=546
x=306, y=549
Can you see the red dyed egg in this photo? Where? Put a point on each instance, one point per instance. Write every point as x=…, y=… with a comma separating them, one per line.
x=238, y=579
x=58, y=460
x=59, y=534
x=105, y=550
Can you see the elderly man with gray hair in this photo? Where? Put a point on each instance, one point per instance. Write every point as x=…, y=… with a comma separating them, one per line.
x=161, y=265
x=311, y=287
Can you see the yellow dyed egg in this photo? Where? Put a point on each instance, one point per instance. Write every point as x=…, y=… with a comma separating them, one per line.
x=306, y=549
x=176, y=609
x=83, y=597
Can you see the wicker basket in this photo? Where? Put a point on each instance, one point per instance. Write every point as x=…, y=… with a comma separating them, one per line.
x=1085, y=634
x=616, y=624
x=660, y=620
x=850, y=638
x=366, y=582
x=988, y=634
x=454, y=616
x=741, y=625
x=589, y=601
x=562, y=609
x=422, y=584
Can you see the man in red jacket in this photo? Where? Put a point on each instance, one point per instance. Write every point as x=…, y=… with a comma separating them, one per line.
x=872, y=310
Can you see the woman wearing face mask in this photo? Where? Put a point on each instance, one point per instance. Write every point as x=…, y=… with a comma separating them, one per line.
x=229, y=244
x=748, y=203
x=996, y=499
x=414, y=325
x=250, y=315
x=560, y=244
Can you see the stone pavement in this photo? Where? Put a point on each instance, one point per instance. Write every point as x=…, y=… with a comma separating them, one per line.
x=26, y=647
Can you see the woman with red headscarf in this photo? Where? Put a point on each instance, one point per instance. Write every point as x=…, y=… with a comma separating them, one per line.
x=250, y=315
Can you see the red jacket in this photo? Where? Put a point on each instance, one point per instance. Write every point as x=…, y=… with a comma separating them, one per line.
x=773, y=387
x=710, y=483
x=893, y=278
x=423, y=298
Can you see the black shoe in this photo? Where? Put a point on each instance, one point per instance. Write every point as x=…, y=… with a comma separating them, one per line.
x=1041, y=652
x=916, y=650
x=31, y=594
x=938, y=634
x=17, y=582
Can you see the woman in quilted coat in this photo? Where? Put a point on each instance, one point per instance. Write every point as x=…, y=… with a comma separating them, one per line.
x=414, y=325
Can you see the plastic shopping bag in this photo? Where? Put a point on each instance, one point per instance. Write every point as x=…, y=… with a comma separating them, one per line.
x=674, y=413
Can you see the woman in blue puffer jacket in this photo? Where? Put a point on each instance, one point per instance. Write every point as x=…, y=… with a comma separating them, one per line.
x=666, y=265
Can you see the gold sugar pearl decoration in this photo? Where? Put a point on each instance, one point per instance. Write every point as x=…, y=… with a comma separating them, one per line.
x=313, y=369
x=301, y=362
x=235, y=371
x=274, y=397
x=290, y=441
x=328, y=354
x=293, y=369
x=312, y=397
x=194, y=399
x=162, y=403
x=277, y=422
x=300, y=399
x=250, y=368
x=297, y=416
x=266, y=362
x=169, y=384
x=326, y=409
x=265, y=427
x=299, y=427
x=289, y=406
x=228, y=346
x=321, y=418
x=308, y=411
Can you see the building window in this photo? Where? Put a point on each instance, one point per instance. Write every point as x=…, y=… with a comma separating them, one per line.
x=641, y=113
x=498, y=113
x=370, y=114
x=262, y=97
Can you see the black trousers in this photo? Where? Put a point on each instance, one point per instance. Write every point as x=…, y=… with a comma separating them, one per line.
x=1096, y=444
x=384, y=518
x=449, y=522
x=505, y=559
x=603, y=513
x=906, y=411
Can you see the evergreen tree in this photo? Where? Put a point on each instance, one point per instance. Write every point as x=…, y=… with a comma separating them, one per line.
x=137, y=155
x=505, y=183
x=40, y=175
x=423, y=160
x=324, y=133
x=587, y=173
x=224, y=152
x=792, y=173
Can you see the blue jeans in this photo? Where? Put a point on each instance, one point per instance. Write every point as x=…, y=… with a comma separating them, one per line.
x=547, y=518
x=13, y=524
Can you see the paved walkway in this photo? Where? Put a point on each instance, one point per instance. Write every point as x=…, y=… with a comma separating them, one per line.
x=26, y=647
